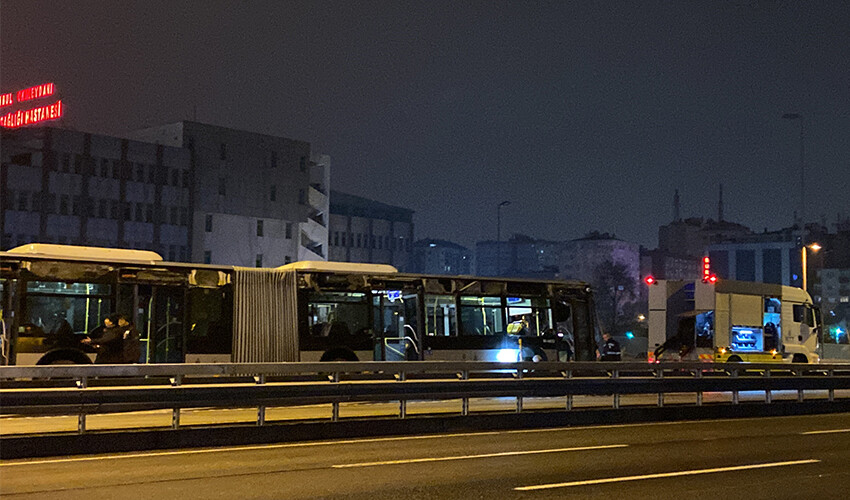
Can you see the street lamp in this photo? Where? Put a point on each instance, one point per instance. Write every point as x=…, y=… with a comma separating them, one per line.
x=798, y=116
x=814, y=247
x=499, y=236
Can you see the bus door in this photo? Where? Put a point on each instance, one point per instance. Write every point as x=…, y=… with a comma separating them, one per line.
x=395, y=314
x=159, y=316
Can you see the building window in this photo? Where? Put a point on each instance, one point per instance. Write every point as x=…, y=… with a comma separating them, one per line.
x=273, y=193
x=175, y=177
x=116, y=169
x=207, y=223
x=114, y=210
x=358, y=240
x=259, y=261
x=128, y=211
x=223, y=151
x=184, y=216
x=302, y=197
x=66, y=162
x=336, y=238
x=104, y=168
x=387, y=242
x=152, y=173
x=259, y=228
x=380, y=243
x=342, y=239
x=274, y=159
x=222, y=186
x=22, y=201
x=288, y=230
x=140, y=172
x=149, y=213
x=101, y=209
x=78, y=164
x=185, y=178
x=207, y=257
x=303, y=164
x=140, y=216
x=287, y=260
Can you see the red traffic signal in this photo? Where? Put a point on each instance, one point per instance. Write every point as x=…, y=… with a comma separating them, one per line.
x=649, y=280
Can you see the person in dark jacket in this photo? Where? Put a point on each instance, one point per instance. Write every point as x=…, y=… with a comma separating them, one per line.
x=132, y=344
x=109, y=344
x=610, y=349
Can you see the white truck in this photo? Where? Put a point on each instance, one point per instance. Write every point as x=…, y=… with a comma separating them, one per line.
x=732, y=321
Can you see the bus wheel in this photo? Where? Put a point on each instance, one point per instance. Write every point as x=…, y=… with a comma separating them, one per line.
x=339, y=354
x=64, y=357
x=799, y=358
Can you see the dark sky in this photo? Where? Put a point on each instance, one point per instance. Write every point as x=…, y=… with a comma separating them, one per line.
x=585, y=115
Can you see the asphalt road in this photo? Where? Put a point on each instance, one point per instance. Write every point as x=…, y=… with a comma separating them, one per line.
x=770, y=458
x=17, y=425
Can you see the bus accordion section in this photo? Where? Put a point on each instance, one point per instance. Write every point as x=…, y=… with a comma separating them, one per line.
x=731, y=321
x=52, y=297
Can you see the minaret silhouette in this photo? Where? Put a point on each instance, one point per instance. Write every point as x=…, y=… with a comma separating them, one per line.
x=720, y=205
x=676, y=207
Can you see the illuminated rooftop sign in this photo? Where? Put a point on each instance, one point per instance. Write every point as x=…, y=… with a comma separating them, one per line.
x=23, y=117
x=37, y=92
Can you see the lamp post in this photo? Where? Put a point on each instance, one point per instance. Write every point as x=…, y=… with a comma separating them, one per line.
x=814, y=247
x=798, y=116
x=499, y=236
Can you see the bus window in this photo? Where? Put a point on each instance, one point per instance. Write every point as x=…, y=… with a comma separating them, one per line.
x=536, y=311
x=482, y=316
x=440, y=316
x=338, y=314
x=58, y=314
x=210, y=320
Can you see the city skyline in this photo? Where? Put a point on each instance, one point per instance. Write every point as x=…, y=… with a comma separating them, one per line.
x=585, y=116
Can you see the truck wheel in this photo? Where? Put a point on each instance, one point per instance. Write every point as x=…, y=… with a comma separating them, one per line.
x=799, y=358
x=734, y=359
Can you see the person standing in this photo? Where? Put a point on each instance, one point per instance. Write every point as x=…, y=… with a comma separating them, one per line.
x=132, y=349
x=109, y=344
x=610, y=349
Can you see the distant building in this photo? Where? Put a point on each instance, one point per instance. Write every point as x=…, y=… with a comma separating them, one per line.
x=433, y=256
x=580, y=258
x=519, y=256
x=690, y=237
x=258, y=200
x=668, y=266
x=69, y=187
x=364, y=230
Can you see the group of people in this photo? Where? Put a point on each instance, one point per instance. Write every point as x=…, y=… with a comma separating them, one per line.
x=117, y=342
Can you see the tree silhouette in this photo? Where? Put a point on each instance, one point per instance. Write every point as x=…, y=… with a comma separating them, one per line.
x=614, y=288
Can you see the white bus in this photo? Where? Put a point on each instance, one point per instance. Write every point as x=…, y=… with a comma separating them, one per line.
x=52, y=296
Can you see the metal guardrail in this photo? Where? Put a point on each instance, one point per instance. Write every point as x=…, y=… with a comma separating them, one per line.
x=263, y=385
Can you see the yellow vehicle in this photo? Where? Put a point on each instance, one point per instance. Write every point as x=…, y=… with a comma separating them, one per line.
x=732, y=321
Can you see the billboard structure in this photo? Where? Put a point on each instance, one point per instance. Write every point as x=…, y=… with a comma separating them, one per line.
x=38, y=114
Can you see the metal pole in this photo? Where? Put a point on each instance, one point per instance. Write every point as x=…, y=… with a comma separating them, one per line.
x=81, y=417
x=802, y=175
x=335, y=404
x=261, y=410
x=464, y=410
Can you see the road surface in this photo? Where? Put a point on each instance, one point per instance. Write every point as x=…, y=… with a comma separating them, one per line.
x=801, y=457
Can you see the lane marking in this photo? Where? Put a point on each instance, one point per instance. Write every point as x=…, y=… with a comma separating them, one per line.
x=238, y=448
x=830, y=431
x=663, y=475
x=483, y=455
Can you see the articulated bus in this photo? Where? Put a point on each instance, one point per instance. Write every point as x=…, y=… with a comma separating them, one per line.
x=53, y=296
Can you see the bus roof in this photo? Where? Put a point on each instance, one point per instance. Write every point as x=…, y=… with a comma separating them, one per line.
x=339, y=267
x=48, y=250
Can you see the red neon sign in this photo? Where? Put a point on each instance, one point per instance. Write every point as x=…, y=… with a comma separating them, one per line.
x=37, y=92
x=6, y=100
x=21, y=118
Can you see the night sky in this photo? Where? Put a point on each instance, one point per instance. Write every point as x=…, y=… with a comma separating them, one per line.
x=585, y=115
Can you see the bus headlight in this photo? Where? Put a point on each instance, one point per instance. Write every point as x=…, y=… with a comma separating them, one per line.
x=507, y=355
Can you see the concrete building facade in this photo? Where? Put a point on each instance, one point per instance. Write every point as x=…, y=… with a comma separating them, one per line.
x=364, y=230
x=69, y=187
x=258, y=200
